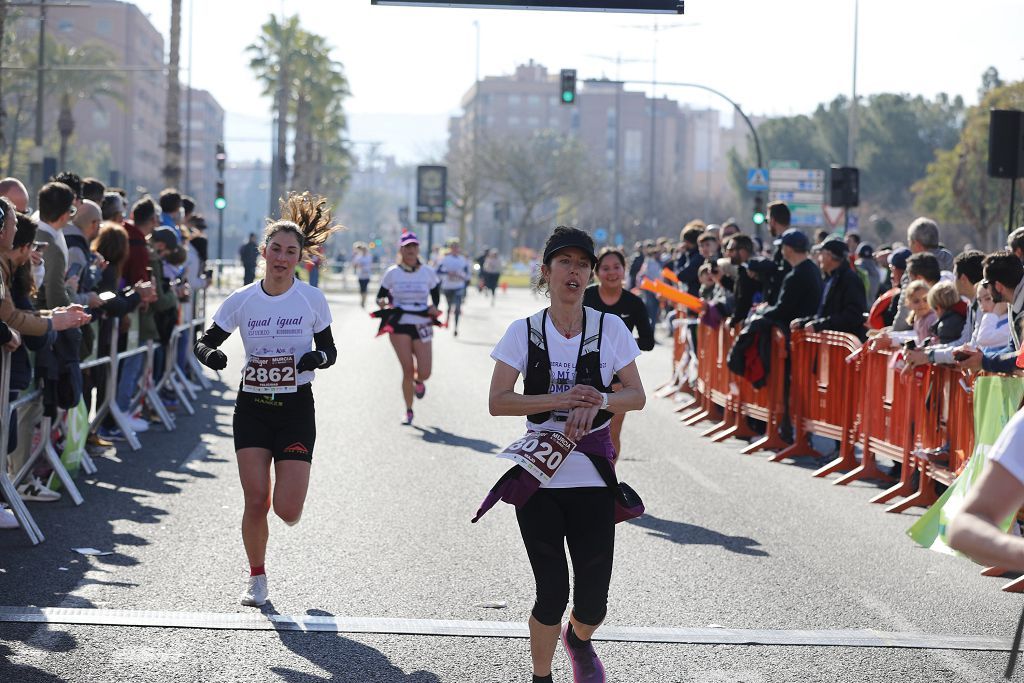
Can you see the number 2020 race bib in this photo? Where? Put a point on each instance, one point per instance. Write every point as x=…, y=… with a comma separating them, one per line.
x=540, y=453
x=270, y=374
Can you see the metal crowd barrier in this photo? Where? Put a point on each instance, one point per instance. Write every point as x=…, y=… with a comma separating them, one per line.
x=105, y=374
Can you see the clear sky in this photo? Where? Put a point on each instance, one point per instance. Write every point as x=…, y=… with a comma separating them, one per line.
x=777, y=57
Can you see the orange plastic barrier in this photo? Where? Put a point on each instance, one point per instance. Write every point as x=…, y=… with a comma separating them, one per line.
x=839, y=390
x=825, y=396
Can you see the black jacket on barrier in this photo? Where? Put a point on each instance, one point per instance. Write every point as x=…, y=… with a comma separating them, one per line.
x=799, y=296
x=844, y=303
x=751, y=354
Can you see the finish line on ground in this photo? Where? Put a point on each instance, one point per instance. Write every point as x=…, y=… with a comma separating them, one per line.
x=257, y=621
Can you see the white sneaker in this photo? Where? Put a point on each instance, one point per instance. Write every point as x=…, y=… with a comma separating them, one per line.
x=7, y=519
x=138, y=424
x=256, y=592
x=34, y=491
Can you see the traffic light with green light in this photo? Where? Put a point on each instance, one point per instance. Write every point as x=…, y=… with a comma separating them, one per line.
x=220, y=203
x=758, y=216
x=568, y=80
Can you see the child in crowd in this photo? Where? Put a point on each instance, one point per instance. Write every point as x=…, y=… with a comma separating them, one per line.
x=993, y=332
x=921, y=316
x=945, y=301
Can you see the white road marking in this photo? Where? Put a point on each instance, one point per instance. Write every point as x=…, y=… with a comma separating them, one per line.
x=257, y=621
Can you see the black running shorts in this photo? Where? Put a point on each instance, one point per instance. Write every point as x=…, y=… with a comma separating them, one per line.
x=363, y=285
x=284, y=424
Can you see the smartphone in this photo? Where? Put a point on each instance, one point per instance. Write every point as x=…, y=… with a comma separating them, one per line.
x=149, y=273
x=74, y=270
x=961, y=355
x=107, y=296
x=38, y=246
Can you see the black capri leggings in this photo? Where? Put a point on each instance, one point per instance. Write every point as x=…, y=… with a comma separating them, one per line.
x=583, y=518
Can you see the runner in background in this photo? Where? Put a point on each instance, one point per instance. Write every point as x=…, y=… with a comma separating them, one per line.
x=608, y=296
x=413, y=288
x=279, y=318
x=455, y=274
x=567, y=355
x=362, y=264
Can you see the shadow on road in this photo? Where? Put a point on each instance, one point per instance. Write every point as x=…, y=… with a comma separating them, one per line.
x=691, y=534
x=438, y=435
x=342, y=658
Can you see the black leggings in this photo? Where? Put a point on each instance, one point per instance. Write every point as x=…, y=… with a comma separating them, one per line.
x=585, y=519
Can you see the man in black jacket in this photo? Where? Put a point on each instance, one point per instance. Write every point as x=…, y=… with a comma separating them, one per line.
x=843, y=302
x=801, y=287
x=738, y=249
x=778, y=223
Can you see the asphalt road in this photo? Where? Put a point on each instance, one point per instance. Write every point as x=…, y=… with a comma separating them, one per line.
x=729, y=540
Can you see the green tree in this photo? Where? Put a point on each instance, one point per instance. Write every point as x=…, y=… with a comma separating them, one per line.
x=956, y=188
x=84, y=72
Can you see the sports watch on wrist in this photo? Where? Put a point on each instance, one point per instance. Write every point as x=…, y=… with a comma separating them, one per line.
x=604, y=401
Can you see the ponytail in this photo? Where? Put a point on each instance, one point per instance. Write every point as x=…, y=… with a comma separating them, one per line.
x=309, y=218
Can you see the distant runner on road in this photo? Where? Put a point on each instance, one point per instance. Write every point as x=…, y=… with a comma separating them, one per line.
x=455, y=274
x=280, y=318
x=567, y=492
x=411, y=287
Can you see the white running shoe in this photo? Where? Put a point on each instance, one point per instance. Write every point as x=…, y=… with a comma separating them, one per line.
x=7, y=519
x=256, y=592
x=35, y=491
x=138, y=424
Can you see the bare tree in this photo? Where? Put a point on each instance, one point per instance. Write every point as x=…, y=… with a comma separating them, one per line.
x=546, y=176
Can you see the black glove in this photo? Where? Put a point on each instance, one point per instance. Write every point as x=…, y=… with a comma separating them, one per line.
x=215, y=359
x=310, y=360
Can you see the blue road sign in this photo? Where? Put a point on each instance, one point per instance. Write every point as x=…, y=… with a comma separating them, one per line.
x=757, y=179
x=600, y=234
x=619, y=240
x=853, y=221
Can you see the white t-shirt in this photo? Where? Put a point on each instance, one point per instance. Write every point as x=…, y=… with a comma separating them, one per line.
x=410, y=291
x=363, y=266
x=1008, y=450
x=274, y=325
x=454, y=271
x=618, y=349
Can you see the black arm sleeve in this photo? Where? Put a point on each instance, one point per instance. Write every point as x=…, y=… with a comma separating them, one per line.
x=435, y=295
x=324, y=341
x=644, y=331
x=384, y=293
x=209, y=342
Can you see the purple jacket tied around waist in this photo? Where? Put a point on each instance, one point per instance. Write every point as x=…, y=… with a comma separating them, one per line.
x=517, y=485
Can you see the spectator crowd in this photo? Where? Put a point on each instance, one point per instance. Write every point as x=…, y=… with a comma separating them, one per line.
x=79, y=270
x=914, y=297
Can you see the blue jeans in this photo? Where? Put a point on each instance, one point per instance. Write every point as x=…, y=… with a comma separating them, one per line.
x=128, y=380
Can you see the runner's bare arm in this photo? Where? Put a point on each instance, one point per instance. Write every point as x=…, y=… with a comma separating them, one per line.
x=631, y=396
x=505, y=401
x=975, y=530
x=206, y=348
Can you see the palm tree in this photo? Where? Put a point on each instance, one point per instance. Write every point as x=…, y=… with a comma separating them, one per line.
x=321, y=87
x=76, y=73
x=172, y=114
x=272, y=56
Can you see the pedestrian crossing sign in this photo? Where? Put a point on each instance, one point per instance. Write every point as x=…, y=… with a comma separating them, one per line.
x=757, y=179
